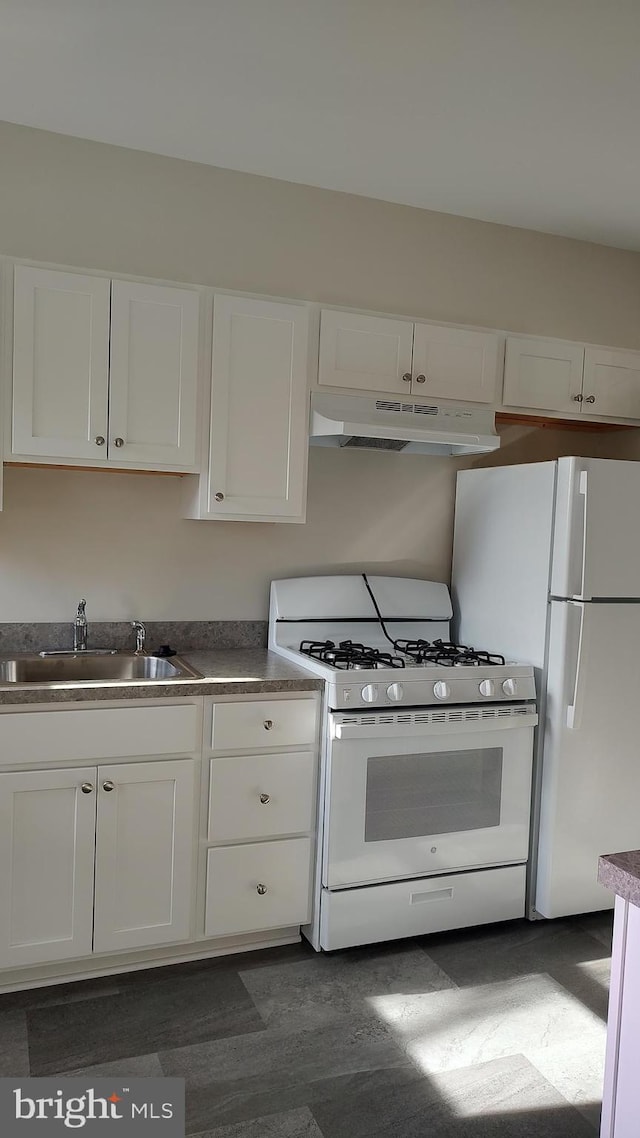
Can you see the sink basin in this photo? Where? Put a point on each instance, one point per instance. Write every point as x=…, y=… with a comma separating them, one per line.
x=87, y=667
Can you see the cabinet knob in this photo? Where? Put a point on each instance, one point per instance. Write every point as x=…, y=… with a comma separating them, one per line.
x=108, y=785
x=590, y=399
x=99, y=440
x=268, y=724
x=119, y=442
x=421, y=379
x=87, y=788
x=261, y=889
x=407, y=377
x=578, y=398
x=264, y=798
x=219, y=496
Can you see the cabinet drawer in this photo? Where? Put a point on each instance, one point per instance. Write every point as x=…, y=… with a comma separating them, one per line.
x=100, y=733
x=264, y=723
x=413, y=908
x=261, y=796
x=261, y=886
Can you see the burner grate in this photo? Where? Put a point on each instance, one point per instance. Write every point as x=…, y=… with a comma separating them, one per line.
x=348, y=654
x=444, y=653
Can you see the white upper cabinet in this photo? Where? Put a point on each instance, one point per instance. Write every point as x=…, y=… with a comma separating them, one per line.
x=369, y=352
x=104, y=372
x=452, y=363
x=259, y=411
x=60, y=364
x=611, y=383
x=378, y=353
x=154, y=374
x=544, y=374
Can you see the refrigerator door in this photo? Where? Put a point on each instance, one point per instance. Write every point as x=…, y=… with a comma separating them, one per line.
x=591, y=758
x=596, y=545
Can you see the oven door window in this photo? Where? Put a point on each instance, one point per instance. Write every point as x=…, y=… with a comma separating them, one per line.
x=445, y=792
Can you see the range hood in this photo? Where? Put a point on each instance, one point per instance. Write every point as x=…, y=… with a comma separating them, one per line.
x=371, y=423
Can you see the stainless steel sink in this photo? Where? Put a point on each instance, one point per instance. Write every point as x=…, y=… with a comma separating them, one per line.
x=88, y=667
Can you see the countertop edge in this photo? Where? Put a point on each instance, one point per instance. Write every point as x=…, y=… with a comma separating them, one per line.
x=620, y=872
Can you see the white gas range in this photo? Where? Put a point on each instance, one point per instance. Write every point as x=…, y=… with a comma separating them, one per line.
x=425, y=780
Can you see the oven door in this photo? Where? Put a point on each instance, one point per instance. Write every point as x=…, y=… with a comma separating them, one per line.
x=418, y=793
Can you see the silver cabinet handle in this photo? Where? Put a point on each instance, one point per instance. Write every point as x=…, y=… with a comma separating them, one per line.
x=407, y=377
x=99, y=440
x=590, y=399
x=219, y=496
x=268, y=724
x=421, y=379
x=108, y=785
x=261, y=889
x=87, y=788
x=264, y=798
x=119, y=442
x=578, y=398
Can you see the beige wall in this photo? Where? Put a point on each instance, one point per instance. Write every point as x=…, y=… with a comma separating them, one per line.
x=119, y=539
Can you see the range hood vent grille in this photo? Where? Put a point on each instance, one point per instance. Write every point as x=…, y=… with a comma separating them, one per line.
x=406, y=408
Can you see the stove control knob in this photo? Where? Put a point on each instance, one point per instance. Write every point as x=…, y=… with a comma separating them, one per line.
x=369, y=693
x=395, y=692
x=441, y=690
x=486, y=688
x=510, y=687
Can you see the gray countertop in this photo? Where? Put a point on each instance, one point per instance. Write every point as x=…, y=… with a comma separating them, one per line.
x=225, y=671
x=620, y=872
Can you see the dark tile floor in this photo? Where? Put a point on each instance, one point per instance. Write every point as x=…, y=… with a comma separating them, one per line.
x=495, y=1032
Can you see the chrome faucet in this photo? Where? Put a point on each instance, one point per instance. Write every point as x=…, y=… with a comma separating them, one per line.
x=80, y=628
x=141, y=632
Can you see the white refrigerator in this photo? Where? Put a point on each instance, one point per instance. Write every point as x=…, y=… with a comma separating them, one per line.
x=546, y=570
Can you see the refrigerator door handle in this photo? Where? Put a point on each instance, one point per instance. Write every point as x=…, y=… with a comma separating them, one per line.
x=574, y=709
x=583, y=489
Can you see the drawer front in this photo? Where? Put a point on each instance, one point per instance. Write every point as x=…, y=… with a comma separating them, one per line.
x=261, y=886
x=264, y=723
x=98, y=733
x=413, y=908
x=261, y=796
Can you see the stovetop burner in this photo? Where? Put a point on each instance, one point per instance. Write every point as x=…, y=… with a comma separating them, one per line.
x=347, y=655
x=446, y=654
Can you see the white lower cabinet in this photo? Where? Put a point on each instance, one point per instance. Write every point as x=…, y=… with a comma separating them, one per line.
x=134, y=820
x=47, y=836
x=119, y=842
x=259, y=886
x=144, y=854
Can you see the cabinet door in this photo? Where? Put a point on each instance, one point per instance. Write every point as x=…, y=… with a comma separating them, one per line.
x=259, y=410
x=545, y=374
x=154, y=375
x=369, y=352
x=611, y=383
x=47, y=835
x=144, y=854
x=60, y=364
x=451, y=363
